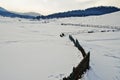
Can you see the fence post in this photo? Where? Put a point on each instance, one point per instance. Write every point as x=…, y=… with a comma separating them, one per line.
x=80, y=48
x=82, y=66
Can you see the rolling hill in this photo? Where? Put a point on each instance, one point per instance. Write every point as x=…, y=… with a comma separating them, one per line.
x=6, y=13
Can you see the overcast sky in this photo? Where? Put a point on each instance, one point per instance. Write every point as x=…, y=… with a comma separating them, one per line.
x=53, y=6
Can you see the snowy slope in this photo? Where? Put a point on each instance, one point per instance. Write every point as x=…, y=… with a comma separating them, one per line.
x=33, y=50
x=108, y=19
x=2, y=9
x=104, y=47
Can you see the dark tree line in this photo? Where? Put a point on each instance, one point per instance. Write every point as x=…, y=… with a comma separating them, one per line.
x=82, y=13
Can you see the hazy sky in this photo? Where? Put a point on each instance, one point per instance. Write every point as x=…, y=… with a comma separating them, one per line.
x=52, y=6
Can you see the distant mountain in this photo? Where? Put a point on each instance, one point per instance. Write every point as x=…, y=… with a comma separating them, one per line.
x=28, y=14
x=2, y=9
x=32, y=14
x=94, y=11
x=6, y=13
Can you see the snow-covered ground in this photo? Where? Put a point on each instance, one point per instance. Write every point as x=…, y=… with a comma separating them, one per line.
x=33, y=50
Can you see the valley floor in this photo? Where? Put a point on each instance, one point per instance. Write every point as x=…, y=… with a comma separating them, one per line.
x=34, y=50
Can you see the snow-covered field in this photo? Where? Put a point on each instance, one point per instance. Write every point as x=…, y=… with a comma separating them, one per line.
x=33, y=50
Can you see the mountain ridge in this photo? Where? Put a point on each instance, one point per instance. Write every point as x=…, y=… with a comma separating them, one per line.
x=6, y=13
x=93, y=11
x=2, y=9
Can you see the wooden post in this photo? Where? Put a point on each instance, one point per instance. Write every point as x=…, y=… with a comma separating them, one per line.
x=80, y=48
x=82, y=66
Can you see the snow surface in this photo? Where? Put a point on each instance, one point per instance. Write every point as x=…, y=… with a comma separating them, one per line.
x=33, y=50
